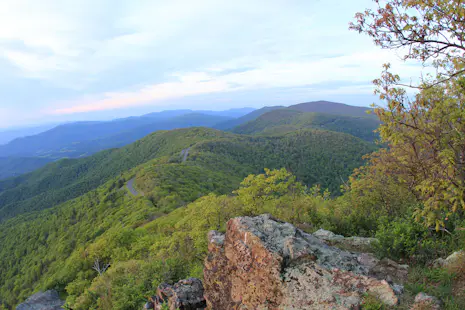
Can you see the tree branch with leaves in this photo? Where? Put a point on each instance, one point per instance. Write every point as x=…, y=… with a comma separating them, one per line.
x=426, y=30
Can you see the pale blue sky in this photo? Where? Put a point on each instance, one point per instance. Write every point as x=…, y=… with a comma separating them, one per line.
x=98, y=59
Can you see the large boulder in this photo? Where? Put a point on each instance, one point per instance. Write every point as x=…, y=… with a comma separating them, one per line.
x=183, y=295
x=49, y=300
x=262, y=263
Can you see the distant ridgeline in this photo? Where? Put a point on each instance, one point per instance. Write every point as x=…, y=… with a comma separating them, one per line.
x=81, y=139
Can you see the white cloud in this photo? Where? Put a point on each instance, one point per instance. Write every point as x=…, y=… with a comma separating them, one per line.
x=73, y=39
x=111, y=54
x=357, y=69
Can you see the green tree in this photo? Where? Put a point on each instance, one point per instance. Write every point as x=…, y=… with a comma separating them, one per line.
x=255, y=190
x=426, y=133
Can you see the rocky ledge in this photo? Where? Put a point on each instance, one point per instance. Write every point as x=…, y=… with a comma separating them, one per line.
x=263, y=263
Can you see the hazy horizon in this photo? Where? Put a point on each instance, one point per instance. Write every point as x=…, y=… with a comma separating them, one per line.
x=77, y=60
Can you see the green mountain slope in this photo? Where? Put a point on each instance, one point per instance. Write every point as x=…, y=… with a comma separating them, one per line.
x=69, y=178
x=55, y=248
x=227, y=125
x=287, y=120
x=332, y=108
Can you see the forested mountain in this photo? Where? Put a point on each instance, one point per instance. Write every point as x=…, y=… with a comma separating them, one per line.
x=84, y=138
x=325, y=107
x=81, y=139
x=164, y=179
x=227, y=125
x=286, y=120
x=332, y=108
x=69, y=178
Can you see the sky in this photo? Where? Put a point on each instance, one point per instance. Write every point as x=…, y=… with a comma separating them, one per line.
x=74, y=60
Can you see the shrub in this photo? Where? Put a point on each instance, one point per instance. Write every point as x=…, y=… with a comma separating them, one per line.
x=371, y=302
x=406, y=239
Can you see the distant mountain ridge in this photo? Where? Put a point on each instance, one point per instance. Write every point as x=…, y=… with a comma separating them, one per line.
x=14, y=166
x=8, y=135
x=79, y=139
x=287, y=120
x=227, y=125
x=329, y=107
x=66, y=140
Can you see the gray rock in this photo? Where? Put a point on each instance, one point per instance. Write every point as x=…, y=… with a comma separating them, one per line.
x=384, y=269
x=216, y=237
x=327, y=235
x=389, y=270
x=355, y=244
x=49, y=300
x=398, y=289
x=424, y=301
x=184, y=295
x=263, y=263
x=451, y=259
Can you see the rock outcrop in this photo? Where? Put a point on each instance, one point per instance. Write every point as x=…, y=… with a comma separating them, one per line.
x=49, y=300
x=184, y=295
x=262, y=263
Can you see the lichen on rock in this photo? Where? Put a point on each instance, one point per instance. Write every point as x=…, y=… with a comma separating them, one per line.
x=263, y=263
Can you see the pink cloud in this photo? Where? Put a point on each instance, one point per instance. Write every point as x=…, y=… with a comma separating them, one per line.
x=187, y=86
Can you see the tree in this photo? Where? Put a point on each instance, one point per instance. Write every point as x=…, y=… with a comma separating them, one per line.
x=255, y=190
x=425, y=134
x=425, y=29
x=100, y=267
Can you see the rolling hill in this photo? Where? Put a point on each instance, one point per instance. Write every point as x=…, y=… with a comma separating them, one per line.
x=227, y=125
x=287, y=120
x=329, y=107
x=324, y=160
x=84, y=138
